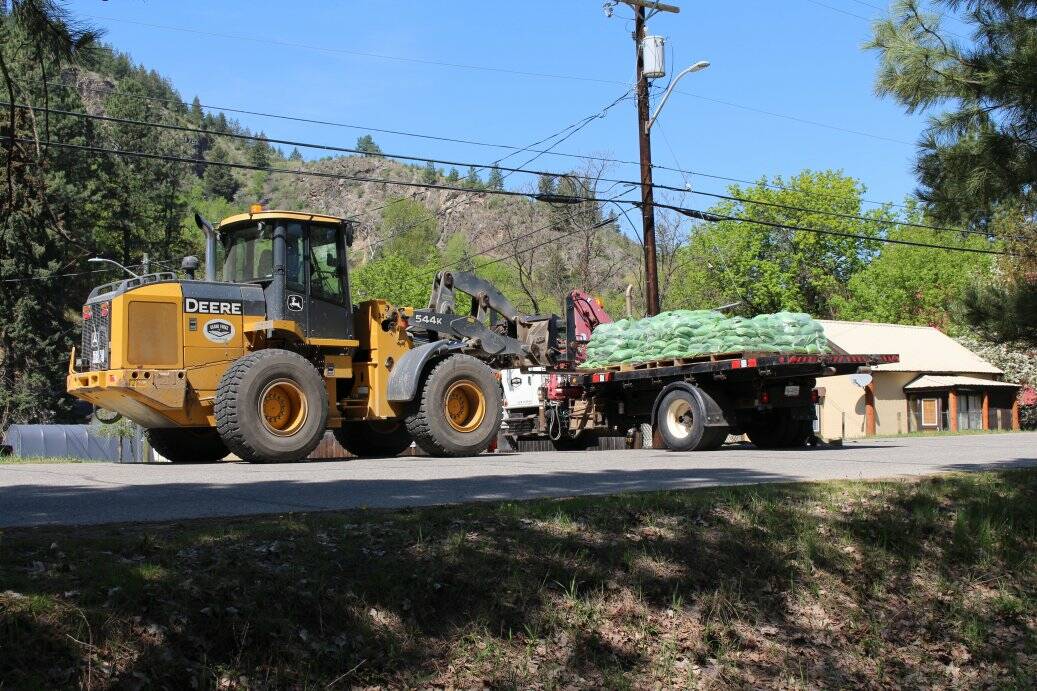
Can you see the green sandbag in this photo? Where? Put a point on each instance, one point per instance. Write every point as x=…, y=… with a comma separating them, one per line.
x=688, y=333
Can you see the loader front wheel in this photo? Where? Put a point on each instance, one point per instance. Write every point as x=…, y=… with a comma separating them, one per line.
x=271, y=407
x=458, y=410
x=374, y=439
x=188, y=444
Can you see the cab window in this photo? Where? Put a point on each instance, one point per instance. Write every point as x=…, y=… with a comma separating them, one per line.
x=295, y=257
x=326, y=264
x=248, y=255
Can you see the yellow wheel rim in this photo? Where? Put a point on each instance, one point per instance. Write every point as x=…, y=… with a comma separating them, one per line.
x=282, y=407
x=465, y=406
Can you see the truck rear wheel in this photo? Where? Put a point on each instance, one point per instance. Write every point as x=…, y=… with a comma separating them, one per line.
x=458, y=410
x=681, y=422
x=374, y=439
x=188, y=444
x=271, y=407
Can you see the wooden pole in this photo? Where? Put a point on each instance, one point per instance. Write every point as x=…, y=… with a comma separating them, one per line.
x=1015, y=415
x=869, y=409
x=952, y=412
x=986, y=410
x=644, y=139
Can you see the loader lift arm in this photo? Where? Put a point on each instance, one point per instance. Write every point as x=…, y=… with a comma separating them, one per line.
x=492, y=328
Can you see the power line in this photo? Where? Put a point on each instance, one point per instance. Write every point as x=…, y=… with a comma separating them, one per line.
x=67, y=275
x=693, y=213
x=268, y=41
x=575, y=127
x=357, y=53
x=267, y=169
x=716, y=218
x=455, y=140
x=570, y=130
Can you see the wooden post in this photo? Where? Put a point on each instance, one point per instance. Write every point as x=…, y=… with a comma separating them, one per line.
x=1015, y=414
x=986, y=410
x=869, y=409
x=952, y=410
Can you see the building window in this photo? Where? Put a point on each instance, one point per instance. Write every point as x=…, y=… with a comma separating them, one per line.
x=930, y=412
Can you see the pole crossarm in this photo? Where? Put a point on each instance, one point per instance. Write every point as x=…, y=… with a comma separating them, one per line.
x=651, y=5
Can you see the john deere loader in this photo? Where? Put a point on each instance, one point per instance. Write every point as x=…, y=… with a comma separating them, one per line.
x=267, y=351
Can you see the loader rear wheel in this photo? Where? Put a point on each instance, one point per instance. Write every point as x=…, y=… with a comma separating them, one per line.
x=188, y=444
x=458, y=410
x=375, y=439
x=271, y=407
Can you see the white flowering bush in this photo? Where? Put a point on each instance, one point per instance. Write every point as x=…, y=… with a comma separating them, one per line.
x=1020, y=366
x=1018, y=361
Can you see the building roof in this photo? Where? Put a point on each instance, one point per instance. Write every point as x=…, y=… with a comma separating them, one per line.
x=935, y=381
x=921, y=348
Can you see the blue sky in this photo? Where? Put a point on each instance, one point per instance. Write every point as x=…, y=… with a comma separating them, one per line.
x=798, y=59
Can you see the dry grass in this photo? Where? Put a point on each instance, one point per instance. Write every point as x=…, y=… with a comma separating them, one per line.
x=803, y=586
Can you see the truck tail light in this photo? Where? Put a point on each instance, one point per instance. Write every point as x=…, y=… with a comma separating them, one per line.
x=765, y=398
x=104, y=309
x=815, y=396
x=88, y=312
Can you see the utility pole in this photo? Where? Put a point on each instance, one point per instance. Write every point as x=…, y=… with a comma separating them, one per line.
x=644, y=136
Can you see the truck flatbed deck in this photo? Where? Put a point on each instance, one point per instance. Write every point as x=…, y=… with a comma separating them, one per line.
x=738, y=366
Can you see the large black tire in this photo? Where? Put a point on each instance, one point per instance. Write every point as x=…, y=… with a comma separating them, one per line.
x=646, y=435
x=469, y=389
x=271, y=407
x=376, y=439
x=188, y=444
x=681, y=421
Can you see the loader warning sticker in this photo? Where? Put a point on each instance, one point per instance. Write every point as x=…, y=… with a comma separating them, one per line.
x=219, y=330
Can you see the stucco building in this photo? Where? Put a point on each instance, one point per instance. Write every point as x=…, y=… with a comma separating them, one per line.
x=937, y=385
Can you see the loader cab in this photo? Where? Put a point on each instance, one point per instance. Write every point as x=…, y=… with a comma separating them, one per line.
x=299, y=259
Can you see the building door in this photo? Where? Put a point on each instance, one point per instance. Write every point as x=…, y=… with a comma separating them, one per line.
x=970, y=411
x=930, y=413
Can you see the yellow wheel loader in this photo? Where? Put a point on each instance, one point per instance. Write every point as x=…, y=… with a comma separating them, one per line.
x=267, y=352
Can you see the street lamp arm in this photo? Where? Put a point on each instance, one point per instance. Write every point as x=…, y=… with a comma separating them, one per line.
x=102, y=260
x=698, y=66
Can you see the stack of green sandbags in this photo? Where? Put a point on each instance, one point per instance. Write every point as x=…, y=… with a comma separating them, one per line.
x=688, y=333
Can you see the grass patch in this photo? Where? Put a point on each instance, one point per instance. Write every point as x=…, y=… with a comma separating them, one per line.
x=34, y=460
x=943, y=433
x=843, y=584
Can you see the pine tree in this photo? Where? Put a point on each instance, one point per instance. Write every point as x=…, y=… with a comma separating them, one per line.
x=472, y=181
x=196, y=112
x=978, y=152
x=496, y=180
x=1004, y=314
x=367, y=146
x=429, y=176
x=546, y=184
x=453, y=176
x=218, y=180
x=295, y=156
x=259, y=152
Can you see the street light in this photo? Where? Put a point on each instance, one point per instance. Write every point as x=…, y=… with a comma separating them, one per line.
x=102, y=260
x=697, y=67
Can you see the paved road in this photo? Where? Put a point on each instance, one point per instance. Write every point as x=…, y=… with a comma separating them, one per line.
x=111, y=493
